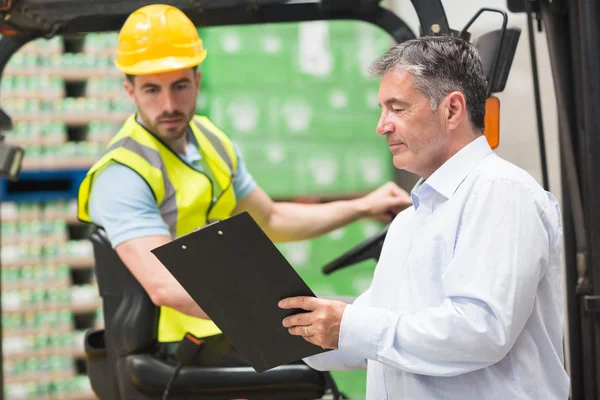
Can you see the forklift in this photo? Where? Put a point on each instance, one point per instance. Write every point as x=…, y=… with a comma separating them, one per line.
x=120, y=358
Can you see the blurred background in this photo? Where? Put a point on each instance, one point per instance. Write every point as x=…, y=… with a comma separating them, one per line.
x=295, y=99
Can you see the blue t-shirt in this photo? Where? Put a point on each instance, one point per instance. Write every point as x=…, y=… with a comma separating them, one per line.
x=123, y=204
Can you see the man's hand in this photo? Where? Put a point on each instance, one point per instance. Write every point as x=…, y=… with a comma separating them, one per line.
x=387, y=199
x=320, y=326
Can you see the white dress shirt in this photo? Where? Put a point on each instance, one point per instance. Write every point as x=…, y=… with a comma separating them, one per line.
x=466, y=300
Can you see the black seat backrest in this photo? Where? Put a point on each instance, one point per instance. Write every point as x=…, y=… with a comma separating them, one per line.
x=130, y=317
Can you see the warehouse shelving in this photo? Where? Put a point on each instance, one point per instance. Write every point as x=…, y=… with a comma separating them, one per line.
x=82, y=119
x=68, y=74
x=49, y=294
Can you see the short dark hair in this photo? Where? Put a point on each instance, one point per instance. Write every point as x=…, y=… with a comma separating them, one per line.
x=441, y=65
x=131, y=77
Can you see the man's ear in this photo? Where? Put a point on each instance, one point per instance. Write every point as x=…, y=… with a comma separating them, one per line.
x=455, y=106
x=128, y=85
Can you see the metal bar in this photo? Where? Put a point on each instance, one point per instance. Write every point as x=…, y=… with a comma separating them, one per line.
x=590, y=43
x=561, y=50
x=588, y=345
x=573, y=319
x=590, y=12
x=432, y=17
x=279, y=13
x=591, y=304
x=536, y=92
x=583, y=285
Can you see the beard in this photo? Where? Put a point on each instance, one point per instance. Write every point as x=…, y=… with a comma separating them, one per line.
x=172, y=131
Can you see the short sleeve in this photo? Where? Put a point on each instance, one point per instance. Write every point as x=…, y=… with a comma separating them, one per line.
x=243, y=182
x=123, y=204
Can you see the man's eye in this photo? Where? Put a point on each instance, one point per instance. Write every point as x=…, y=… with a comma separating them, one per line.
x=151, y=90
x=397, y=110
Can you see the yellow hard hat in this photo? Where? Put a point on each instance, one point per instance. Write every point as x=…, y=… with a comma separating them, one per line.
x=158, y=38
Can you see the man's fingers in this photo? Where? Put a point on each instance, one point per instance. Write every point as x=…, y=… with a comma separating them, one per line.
x=297, y=320
x=402, y=200
x=303, y=302
x=299, y=331
x=401, y=192
x=399, y=202
x=397, y=191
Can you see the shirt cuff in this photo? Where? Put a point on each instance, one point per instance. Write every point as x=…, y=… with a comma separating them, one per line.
x=362, y=328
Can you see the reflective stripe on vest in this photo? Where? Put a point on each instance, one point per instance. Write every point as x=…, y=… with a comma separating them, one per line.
x=183, y=195
x=168, y=208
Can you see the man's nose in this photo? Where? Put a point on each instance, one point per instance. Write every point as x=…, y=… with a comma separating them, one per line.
x=169, y=103
x=384, y=127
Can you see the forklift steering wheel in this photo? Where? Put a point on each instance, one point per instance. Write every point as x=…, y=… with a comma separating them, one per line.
x=370, y=248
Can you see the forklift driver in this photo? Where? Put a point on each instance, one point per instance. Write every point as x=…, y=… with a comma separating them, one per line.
x=168, y=171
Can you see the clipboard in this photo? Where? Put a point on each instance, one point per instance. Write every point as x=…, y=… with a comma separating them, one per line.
x=235, y=273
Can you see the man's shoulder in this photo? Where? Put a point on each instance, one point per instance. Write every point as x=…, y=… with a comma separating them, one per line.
x=496, y=171
x=203, y=119
x=118, y=192
x=123, y=204
x=117, y=178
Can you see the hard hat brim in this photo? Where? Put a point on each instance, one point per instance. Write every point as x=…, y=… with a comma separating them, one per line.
x=166, y=64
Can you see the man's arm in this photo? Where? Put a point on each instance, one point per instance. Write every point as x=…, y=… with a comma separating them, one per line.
x=491, y=285
x=161, y=286
x=134, y=227
x=284, y=221
x=294, y=221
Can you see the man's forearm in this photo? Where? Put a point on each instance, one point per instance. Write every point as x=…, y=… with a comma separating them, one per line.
x=178, y=299
x=285, y=222
x=296, y=221
x=162, y=288
x=451, y=339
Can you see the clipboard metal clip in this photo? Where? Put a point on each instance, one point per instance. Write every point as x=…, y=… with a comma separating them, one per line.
x=211, y=222
x=208, y=223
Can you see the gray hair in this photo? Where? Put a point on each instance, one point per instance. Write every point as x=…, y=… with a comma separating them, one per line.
x=440, y=65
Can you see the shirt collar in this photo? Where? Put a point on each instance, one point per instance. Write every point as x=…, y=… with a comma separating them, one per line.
x=447, y=178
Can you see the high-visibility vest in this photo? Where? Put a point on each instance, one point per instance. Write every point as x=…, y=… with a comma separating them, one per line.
x=183, y=195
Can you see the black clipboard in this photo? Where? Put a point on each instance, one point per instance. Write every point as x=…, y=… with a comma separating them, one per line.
x=237, y=275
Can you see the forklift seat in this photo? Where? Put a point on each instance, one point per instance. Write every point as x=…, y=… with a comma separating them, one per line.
x=123, y=361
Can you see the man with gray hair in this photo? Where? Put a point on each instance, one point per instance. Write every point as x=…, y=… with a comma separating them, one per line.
x=466, y=301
